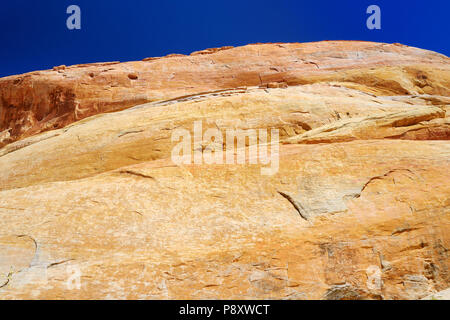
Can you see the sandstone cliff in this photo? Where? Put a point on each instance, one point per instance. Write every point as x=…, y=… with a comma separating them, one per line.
x=359, y=208
x=45, y=100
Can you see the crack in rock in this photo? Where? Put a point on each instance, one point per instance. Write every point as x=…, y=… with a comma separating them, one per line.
x=138, y=174
x=301, y=211
x=380, y=178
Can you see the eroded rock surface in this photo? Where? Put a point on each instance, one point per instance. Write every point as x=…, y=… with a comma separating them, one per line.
x=358, y=209
x=45, y=100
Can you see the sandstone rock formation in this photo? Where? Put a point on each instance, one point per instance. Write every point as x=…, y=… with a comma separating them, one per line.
x=45, y=100
x=441, y=295
x=359, y=208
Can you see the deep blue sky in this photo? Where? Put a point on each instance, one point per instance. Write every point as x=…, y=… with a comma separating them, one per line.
x=33, y=34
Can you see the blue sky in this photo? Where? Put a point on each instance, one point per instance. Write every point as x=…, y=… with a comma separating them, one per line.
x=34, y=35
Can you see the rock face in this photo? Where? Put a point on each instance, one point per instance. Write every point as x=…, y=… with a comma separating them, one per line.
x=45, y=100
x=359, y=207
